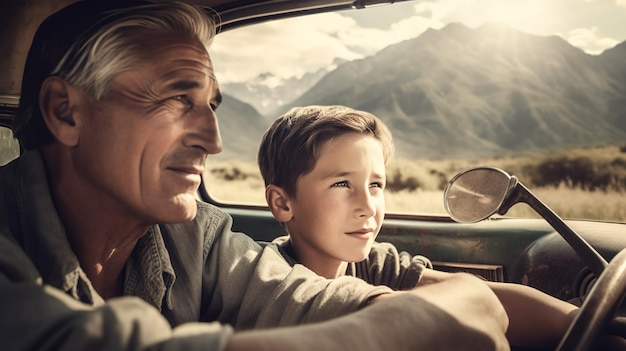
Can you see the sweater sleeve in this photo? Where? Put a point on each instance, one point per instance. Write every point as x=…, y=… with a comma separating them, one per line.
x=36, y=316
x=386, y=266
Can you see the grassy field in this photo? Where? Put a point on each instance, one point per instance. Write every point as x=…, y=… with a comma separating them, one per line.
x=416, y=186
x=563, y=180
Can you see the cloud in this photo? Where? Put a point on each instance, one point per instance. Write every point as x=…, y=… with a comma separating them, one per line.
x=446, y=10
x=589, y=40
x=291, y=47
x=532, y=16
x=416, y=24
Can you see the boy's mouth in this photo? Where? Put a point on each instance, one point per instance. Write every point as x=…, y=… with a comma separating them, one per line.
x=364, y=233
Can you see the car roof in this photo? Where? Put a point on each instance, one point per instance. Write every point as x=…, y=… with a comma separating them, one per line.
x=19, y=20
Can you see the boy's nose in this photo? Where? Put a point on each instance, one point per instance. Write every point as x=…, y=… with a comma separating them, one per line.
x=366, y=206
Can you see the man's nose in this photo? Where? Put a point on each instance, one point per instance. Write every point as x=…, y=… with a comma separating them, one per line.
x=204, y=131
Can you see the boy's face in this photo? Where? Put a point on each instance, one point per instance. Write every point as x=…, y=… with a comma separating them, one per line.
x=339, y=206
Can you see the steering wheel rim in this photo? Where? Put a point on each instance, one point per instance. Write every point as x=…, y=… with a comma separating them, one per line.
x=598, y=308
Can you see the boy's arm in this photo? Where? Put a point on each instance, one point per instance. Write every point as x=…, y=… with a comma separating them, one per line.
x=536, y=319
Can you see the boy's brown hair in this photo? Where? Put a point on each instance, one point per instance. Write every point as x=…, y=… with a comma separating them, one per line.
x=290, y=147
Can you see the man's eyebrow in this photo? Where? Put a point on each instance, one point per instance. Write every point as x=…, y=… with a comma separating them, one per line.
x=188, y=84
x=183, y=85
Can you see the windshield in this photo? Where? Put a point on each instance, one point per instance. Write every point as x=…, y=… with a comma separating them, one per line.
x=537, y=88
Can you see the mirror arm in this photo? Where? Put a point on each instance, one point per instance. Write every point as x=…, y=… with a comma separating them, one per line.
x=596, y=262
x=511, y=197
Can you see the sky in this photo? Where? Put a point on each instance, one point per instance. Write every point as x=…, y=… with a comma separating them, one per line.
x=290, y=48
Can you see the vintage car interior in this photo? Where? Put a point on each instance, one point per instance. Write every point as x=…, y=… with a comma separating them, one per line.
x=526, y=247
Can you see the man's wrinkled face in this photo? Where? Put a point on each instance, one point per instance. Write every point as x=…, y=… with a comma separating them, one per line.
x=145, y=143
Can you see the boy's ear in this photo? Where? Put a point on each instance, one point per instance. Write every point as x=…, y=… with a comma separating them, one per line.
x=278, y=202
x=58, y=99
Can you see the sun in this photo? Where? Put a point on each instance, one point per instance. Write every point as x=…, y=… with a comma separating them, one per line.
x=526, y=15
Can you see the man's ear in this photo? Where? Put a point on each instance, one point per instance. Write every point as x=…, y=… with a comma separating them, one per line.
x=278, y=202
x=58, y=99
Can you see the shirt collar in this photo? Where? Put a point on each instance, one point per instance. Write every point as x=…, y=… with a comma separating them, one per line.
x=43, y=235
x=149, y=271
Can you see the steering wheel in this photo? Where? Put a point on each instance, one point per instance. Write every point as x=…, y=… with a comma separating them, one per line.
x=599, y=307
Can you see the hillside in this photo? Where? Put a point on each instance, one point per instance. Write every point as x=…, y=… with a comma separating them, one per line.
x=484, y=91
x=243, y=126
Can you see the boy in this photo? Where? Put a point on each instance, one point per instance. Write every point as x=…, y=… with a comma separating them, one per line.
x=324, y=170
x=290, y=163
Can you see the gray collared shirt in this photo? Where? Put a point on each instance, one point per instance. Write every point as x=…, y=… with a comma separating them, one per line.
x=177, y=275
x=384, y=265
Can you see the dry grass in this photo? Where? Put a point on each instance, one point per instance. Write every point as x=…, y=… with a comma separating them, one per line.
x=9, y=147
x=423, y=181
x=246, y=188
x=576, y=203
x=567, y=203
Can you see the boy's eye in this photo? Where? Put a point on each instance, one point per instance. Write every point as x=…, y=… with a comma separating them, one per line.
x=377, y=185
x=341, y=184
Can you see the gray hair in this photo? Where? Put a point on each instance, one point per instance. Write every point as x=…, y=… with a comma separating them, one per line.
x=110, y=50
x=95, y=47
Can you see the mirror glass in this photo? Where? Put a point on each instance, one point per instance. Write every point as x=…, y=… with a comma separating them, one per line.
x=476, y=194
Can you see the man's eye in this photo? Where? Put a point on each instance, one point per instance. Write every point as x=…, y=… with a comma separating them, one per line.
x=183, y=98
x=377, y=185
x=342, y=184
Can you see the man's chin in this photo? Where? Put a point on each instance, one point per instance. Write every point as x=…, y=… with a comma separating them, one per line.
x=183, y=209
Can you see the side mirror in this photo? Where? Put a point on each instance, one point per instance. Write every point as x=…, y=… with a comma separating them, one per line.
x=478, y=193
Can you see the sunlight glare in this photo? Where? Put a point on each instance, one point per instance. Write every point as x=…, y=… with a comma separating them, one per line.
x=527, y=16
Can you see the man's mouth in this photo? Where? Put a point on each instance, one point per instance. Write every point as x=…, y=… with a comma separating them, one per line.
x=187, y=169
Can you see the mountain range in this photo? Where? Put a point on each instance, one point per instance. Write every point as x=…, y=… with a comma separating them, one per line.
x=459, y=91
x=269, y=93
